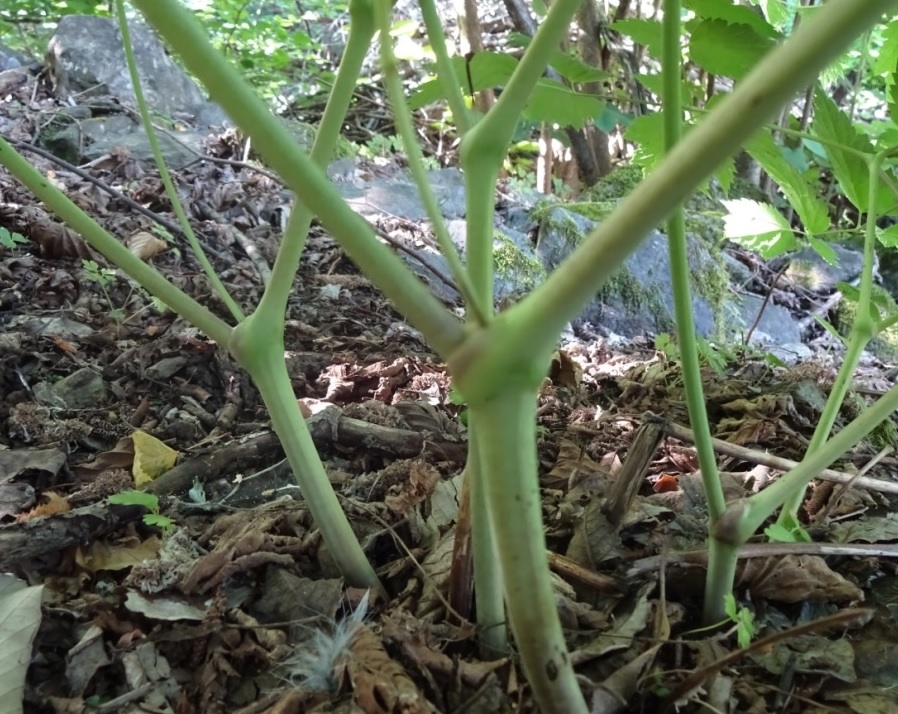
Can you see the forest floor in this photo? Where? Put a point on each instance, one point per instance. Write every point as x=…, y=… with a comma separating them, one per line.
x=226, y=599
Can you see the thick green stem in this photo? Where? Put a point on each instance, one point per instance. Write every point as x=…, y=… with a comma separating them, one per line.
x=492, y=633
x=508, y=449
x=265, y=363
x=112, y=249
x=722, y=560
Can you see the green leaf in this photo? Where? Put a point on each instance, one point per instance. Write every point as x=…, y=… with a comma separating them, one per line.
x=758, y=226
x=889, y=236
x=780, y=534
x=647, y=132
x=136, y=498
x=834, y=129
x=801, y=196
x=643, y=32
x=612, y=117
x=732, y=14
x=554, y=103
x=743, y=47
x=887, y=60
x=823, y=249
x=575, y=70
x=776, y=12
x=725, y=174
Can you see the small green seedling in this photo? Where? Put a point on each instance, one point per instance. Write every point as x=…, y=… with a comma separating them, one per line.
x=10, y=239
x=148, y=501
x=102, y=277
x=743, y=618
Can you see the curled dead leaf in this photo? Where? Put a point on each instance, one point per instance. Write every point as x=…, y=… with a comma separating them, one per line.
x=145, y=245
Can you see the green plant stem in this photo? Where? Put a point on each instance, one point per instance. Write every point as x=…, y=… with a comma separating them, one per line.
x=531, y=327
x=484, y=147
x=863, y=329
x=743, y=518
x=445, y=70
x=283, y=274
x=226, y=86
x=721, y=560
x=112, y=249
x=479, y=310
x=508, y=450
x=164, y=174
x=265, y=362
x=492, y=633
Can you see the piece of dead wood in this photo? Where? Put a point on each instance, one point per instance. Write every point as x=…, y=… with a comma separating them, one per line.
x=41, y=536
x=328, y=427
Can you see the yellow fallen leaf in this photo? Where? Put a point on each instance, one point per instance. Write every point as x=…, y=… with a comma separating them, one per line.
x=152, y=458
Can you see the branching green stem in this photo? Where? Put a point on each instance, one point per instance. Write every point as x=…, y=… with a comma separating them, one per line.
x=479, y=310
x=164, y=174
x=225, y=84
x=533, y=325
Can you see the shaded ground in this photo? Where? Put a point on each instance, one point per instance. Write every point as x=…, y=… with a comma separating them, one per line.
x=235, y=606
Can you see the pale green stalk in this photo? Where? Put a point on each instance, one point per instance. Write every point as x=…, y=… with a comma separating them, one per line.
x=721, y=560
x=461, y=116
x=269, y=373
x=484, y=147
x=492, y=632
x=508, y=451
x=226, y=86
x=479, y=309
x=164, y=174
x=111, y=248
x=863, y=329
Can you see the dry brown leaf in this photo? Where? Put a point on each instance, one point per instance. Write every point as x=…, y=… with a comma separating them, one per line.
x=145, y=245
x=796, y=578
x=53, y=504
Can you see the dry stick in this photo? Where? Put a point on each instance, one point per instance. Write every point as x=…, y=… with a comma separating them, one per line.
x=779, y=463
x=696, y=679
x=763, y=550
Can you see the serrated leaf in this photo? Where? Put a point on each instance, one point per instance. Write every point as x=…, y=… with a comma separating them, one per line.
x=823, y=249
x=733, y=14
x=758, y=226
x=554, y=103
x=886, y=61
x=643, y=32
x=801, y=196
x=612, y=117
x=889, y=236
x=725, y=174
x=834, y=129
x=647, y=132
x=744, y=47
x=487, y=70
x=576, y=70
x=135, y=498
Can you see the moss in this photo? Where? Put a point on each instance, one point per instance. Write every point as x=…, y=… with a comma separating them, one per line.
x=509, y=260
x=885, y=344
